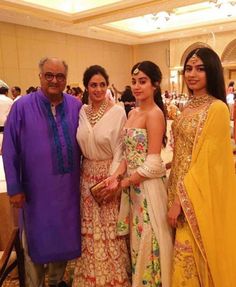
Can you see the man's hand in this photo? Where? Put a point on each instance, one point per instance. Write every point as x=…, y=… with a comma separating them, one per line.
x=17, y=200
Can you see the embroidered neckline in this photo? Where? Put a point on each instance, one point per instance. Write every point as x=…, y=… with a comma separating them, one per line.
x=197, y=101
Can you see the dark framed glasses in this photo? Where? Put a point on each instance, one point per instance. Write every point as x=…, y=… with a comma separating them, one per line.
x=60, y=77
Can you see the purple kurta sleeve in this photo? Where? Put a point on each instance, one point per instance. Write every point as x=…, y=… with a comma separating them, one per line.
x=11, y=151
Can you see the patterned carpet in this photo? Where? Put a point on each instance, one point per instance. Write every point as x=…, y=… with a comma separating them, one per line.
x=68, y=277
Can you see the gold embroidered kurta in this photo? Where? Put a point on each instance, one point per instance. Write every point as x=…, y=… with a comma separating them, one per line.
x=184, y=130
x=203, y=178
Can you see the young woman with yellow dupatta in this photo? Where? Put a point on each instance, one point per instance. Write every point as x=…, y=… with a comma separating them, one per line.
x=202, y=183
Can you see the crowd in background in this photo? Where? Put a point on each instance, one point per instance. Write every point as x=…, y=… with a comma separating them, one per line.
x=174, y=102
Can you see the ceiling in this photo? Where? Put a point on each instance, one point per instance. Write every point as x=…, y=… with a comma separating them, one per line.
x=123, y=21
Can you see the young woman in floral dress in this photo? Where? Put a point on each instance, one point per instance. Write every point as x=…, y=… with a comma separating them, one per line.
x=143, y=138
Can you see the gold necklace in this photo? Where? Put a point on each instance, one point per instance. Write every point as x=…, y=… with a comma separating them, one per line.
x=94, y=117
x=197, y=101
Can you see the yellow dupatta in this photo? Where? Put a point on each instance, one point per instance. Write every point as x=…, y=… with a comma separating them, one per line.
x=210, y=185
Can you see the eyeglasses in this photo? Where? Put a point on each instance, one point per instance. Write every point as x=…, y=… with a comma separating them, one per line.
x=50, y=76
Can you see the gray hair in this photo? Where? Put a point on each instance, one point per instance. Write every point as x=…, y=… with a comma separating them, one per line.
x=45, y=59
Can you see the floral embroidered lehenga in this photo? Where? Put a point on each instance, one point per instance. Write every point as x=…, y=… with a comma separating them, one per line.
x=105, y=259
x=150, y=235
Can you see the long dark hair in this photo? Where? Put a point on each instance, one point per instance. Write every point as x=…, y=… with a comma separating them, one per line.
x=94, y=70
x=154, y=73
x=214, y=72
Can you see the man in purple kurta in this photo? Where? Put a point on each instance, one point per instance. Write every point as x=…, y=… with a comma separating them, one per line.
x=41, y=161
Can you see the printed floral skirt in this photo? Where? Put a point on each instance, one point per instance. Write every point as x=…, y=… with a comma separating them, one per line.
x=145, y=252
x=105, y=258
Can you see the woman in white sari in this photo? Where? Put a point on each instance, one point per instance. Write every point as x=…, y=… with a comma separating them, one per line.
x=105, y=259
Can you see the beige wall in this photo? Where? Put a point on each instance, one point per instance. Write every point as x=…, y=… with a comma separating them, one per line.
x=217, y=41
x=168, y=54
x=158, y=53
x=22, y=47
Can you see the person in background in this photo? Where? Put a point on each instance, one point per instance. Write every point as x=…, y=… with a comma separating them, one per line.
x=30, y=90
x=77, y=92
x=5, y=106
x=230, y=98
x=202, y=182
x=16, y=92
x=230, y=88
x=85, y=97
x=105, y=258
x=74, y=91
x=68, y=90
x=41, y=161
x=127, y=98
x=166, y=95
x=110, y=95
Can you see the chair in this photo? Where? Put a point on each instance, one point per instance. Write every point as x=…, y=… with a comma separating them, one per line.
x=6, y=266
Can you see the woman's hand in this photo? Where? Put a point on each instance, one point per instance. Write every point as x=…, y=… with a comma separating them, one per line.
x=110, y=191
x=174, y=213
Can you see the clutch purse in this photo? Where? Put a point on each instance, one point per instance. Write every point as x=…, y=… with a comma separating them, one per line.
x=96, y=188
